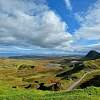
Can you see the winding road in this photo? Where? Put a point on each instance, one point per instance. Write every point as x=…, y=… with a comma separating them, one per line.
x=77, y=82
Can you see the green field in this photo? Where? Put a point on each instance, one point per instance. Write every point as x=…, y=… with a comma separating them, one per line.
x=91, y=93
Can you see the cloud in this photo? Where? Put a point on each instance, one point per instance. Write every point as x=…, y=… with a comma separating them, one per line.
x=79, y=17
x=90, y=26
x=30, y=23
x=89, y=29
x=68, y=5
x=27, y=25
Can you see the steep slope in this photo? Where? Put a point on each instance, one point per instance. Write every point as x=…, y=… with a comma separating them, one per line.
x=81, y=66
x=92, y=55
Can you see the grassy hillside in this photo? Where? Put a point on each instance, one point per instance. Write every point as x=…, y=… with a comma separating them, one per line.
x=21, y=79
x=81, y=72
x=21, y=73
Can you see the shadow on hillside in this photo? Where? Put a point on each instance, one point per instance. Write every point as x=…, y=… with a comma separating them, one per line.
x=67, y=74
x=52, y=87
x=92, y=82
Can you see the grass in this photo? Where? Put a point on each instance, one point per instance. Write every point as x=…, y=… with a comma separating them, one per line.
x=92, y=64
x=91, y=93
x=10, y=73
x=11, y=76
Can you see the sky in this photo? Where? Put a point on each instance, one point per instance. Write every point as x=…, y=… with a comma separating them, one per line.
x=49, y=26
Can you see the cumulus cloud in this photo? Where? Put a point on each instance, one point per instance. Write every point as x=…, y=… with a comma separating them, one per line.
x=31, y=23
x=68, y=4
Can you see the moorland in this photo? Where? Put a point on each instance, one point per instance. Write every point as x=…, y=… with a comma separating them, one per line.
x=50, y=78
